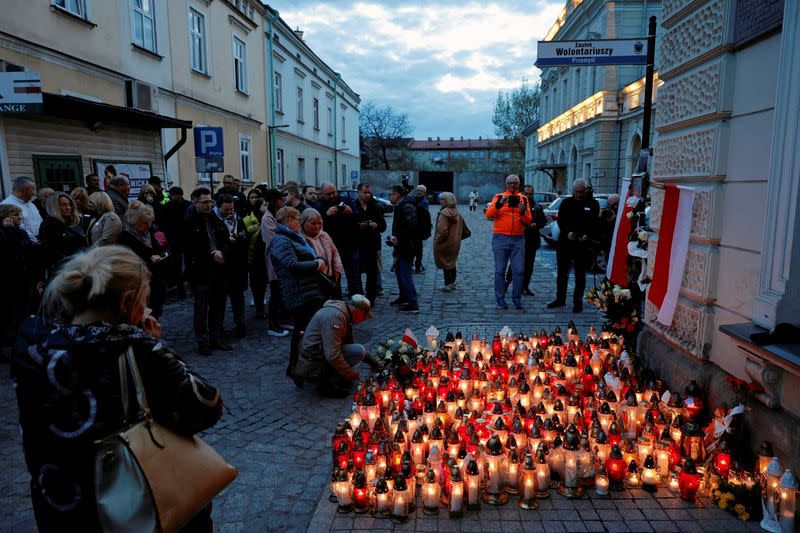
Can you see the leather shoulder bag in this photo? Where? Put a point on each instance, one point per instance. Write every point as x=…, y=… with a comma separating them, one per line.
x=150, y=478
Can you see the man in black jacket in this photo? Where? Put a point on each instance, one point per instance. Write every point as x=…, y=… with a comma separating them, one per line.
x=404, y=234
x=338, y=222
x=532, y=241
x=207, y=243
x=369, y=220
x=170, y=221
x=235, y=266
x=578, y=217
x=424, y=226
x=229, y=186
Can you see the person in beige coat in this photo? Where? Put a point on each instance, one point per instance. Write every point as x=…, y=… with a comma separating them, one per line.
x=448, y=234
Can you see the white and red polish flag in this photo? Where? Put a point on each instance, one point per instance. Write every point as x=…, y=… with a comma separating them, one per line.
x=617, y=269
x=409, y=338
x=671, y=251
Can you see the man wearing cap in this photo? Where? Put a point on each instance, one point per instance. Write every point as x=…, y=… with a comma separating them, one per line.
x=161, y=195
x=328, y=354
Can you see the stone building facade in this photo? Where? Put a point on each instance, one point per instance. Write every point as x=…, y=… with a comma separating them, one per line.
x=727, y=125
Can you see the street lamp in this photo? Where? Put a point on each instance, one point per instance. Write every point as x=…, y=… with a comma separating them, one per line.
x=270, y=130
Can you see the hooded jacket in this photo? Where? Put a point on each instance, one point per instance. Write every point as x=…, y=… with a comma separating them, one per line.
x=326, y=333
x=68, y=390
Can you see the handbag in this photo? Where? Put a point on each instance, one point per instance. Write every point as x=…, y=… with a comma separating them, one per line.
x=147, y=476
x=465, y=232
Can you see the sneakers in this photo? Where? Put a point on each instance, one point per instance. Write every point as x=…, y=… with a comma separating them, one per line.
x=527, y=292
x=398, y=301
x=556, y=303
x=409, y=308
x=502, y=305
x=273, y=333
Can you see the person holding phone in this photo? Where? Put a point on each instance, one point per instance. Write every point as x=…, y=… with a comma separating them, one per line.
x=511, y=212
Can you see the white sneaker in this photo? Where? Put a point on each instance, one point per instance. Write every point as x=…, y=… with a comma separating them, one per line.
x=273, y=333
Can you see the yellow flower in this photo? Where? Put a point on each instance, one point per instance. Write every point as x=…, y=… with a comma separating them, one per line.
x=744, y=516
x=739, y=508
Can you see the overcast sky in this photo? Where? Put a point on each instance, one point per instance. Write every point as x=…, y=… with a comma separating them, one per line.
x=442, y=62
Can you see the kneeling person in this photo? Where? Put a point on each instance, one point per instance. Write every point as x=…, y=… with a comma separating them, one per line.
x=328, y=354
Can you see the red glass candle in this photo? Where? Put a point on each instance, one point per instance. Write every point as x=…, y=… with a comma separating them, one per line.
x=360, y=492
x=616, y=468
x=688, y=482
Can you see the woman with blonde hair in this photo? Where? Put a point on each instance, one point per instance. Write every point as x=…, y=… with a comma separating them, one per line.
x=106, y=227
x=81, y=199
x=67, y=382
x=321, y=242
x=447, y=239
x=61, y=234
x=138, y=235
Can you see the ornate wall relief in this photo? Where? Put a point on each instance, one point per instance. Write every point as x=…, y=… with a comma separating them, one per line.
x=686, y=155
x=689, y=329
x=692, y=95
x=698, y=33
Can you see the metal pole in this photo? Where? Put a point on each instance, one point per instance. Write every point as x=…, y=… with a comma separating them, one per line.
x=648, y=96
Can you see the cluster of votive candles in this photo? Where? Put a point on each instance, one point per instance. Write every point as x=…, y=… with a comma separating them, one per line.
x=475, y=421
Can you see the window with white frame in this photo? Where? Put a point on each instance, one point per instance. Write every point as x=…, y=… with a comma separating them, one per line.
x=240, y=64
x=198, y=51
x=278, y=92
x=245, y=158
x=330, y=170
x=76, y=7
x=316, y=170
x=299, y=104
x=301, y=169
x=279, y=165
x=330, y=121
x=144, y=24
x=344, y=173
x=316, y=114
x=344, y=129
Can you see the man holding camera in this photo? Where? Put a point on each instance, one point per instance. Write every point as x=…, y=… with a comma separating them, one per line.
x=339, y=222
x=578, y=217
x=404, y=234
x=511, y=212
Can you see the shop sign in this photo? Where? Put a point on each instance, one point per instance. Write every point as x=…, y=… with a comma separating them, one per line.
x=20, y=92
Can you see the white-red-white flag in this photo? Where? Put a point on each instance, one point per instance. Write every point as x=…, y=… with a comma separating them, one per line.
x=617, y=268
x=409, y=338
x=671, y=251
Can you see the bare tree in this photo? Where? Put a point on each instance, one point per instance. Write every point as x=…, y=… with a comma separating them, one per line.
x=515, y=111
x=385, y=135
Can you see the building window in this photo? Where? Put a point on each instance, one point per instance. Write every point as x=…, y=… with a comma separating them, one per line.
x=565, y=95
x=240, y=64
x=299, y=104
x=344, y=129
x=330, y=170
x=556, y=110
x=301, y=170
x=279, y=165
x=330, y=121
x=480, y=154
x=144, y=24
x=316, y=170
x=344, y=173
x=577, y=86
x=76, y=7
x=278, y=92
x=316, y=114
x=245, y=158
x=198, y=54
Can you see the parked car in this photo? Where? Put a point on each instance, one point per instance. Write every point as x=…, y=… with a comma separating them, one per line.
x=544, y=199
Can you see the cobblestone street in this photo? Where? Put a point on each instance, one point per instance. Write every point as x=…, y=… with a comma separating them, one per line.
x=278, y=436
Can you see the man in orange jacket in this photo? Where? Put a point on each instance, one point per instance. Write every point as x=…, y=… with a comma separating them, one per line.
x=512, y=214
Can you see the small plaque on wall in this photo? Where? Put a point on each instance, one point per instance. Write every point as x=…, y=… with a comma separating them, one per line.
x=755, y=19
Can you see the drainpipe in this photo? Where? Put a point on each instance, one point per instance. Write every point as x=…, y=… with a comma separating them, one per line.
x=620, y=102
x=335, y=129
x=175, y=148
x=270, y=17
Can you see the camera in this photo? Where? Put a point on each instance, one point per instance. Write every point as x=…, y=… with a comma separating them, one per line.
x=513, y=201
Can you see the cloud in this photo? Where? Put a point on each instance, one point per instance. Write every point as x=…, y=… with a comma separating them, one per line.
x=441, y=62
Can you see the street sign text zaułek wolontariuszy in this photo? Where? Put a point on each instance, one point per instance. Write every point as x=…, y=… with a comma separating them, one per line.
x=592, y=52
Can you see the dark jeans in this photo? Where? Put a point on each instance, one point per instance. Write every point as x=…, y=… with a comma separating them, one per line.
x=566, y=256
x=258, y=286
x=368, y=264
x=276, y=310
x=405, y=279
x=449, y=276
x=351, y=271
x=418, y=244
x=209, y=310
x=235, y=294
x=301, y=318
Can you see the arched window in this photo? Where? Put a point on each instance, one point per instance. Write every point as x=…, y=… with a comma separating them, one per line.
x=636, y=147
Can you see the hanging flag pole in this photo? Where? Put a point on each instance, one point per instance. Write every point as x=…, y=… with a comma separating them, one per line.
x=648, y=101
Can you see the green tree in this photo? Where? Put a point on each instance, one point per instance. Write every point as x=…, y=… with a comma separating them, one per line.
x=516, y=110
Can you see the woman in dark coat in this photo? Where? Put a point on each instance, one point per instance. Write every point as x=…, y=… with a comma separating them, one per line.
x=60, y=233
x=138, y=234
x=67, y=382
x=298, y=268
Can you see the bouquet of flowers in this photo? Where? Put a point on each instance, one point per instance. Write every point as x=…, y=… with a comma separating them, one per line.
x=398, y=359
x=617, y=305
x=740, y=500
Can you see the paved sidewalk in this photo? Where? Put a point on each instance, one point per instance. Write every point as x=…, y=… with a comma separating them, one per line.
x=277, y=435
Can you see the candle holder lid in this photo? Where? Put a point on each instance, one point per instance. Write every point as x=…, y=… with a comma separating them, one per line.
x=494, y=446
x=788, y=480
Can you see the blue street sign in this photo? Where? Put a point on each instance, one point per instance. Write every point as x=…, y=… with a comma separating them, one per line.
x=208, y=142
